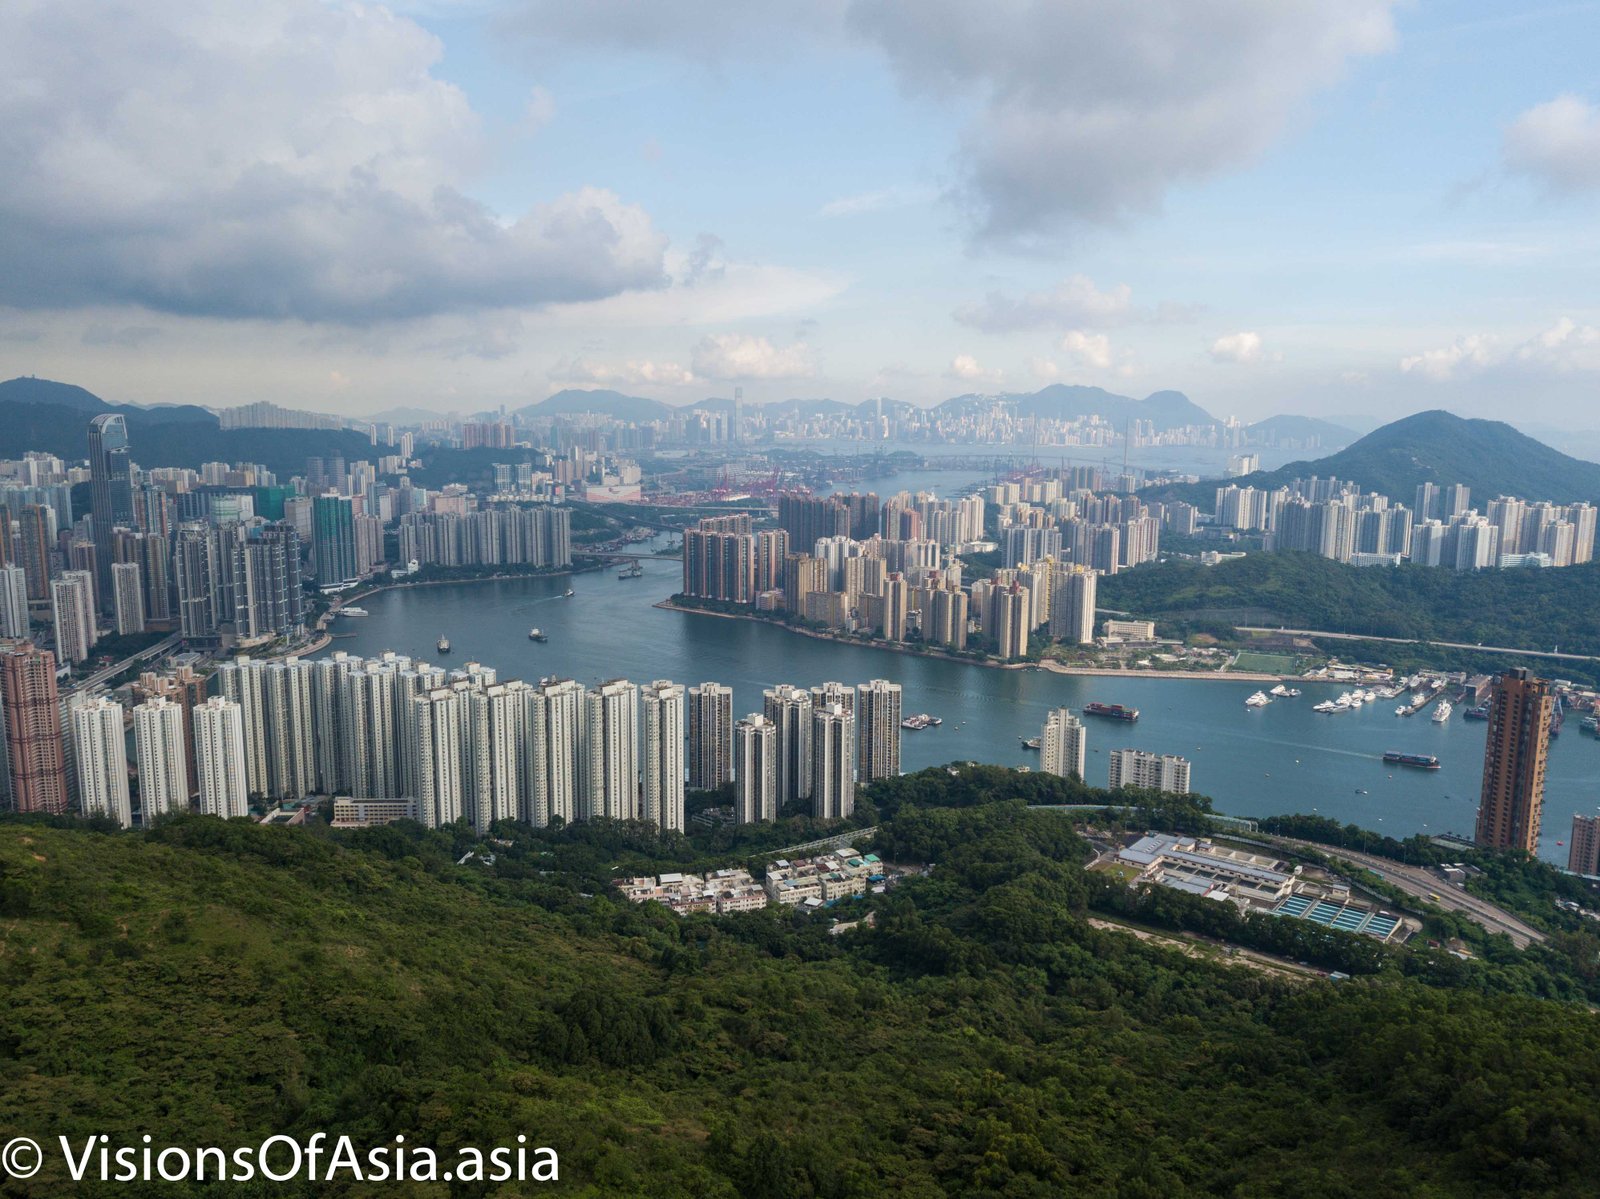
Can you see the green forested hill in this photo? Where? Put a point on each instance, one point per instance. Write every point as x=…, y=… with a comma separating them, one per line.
x=211, y=983
x=1524, y=609
x=1489, y=456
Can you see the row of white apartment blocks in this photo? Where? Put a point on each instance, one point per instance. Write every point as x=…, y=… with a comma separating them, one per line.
x=503, y=534
x=1337, y=520
x=1106, y=533
x=464, y=745
x=1063, y=749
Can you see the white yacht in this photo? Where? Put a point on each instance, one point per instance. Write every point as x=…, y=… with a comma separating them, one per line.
x=1258, y=700
x=1442, y=712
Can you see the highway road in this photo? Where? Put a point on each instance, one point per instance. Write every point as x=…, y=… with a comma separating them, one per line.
x=1417, y=882
x=1485, y=649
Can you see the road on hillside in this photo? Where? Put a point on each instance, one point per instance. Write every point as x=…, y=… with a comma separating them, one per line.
x=1417, y=882
x=1486, y=649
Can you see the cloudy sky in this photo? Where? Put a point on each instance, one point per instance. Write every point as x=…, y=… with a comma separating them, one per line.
x=1323, y=206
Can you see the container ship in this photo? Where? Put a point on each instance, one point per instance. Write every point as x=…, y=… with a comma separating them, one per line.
x=1113, y=711
x=1424, y=761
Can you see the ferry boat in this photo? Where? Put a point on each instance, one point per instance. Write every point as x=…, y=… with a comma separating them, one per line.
x=537, y=635
x=1422, y=761
x=1112, y=711
x=920, y=721
x=442, y=645
x=1442, y=712
x=353, y=612
x=1258, y=700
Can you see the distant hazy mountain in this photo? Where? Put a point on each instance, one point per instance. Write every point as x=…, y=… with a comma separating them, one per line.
x=1063, y=401
x=609, y=403
x=1489, y=456
x=407, y=416
x=1302, y=429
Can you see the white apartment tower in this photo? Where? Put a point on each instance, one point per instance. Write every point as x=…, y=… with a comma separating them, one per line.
x=442, y=792
x=789, y=710
x=127, y=593
x=833, y=762
x=13, y=602
x=163, y=766
x=663, y=709
x=101, y=754
x=755, y=752
x=1062, y=745
x=613, y=752
x=710, y=736
x=877, y=730
x=1149, y=771
x=72, y=600
x=220, y=757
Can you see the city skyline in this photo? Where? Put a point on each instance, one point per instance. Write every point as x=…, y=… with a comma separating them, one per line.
x=962, y=221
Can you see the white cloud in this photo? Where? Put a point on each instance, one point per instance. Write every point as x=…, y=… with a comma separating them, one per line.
x=1091, y=111
x=285, y=159
x=1044, y=370
x=1558, y=143
x=640, y=372
x=1237, y=347
x=1565, y=347
x=1088, y=349
x=964, y=368
x=540, y=109
x=1077, y=301
x=883, y=200
x=733, y=356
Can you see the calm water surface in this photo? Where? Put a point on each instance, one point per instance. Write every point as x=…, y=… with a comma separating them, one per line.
x=1282, y=758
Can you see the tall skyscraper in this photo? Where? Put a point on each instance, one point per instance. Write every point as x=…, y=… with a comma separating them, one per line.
x=1072, y=600
x=1062, y=744
x=243, y=681
x=789, y=710
x=1149, y=771
x=877, y=730
x=833, y=762
x=662, y=706
x=333, y=539
x=127, y=597
x=72, y=602
x=1512, y=800
x=755, y=752
x=710, y=736
x=110, y=487
x=159, y=746
x=1013, y=621
x=32, y=729
x=1584, y=855
x=220, y=759
x=440, y=770
x=559, y=795
x=100, y=751
x=13, y=602
x=613, y=752
x=36, y=532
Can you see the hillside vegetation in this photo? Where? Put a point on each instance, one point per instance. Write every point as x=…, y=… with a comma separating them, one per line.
x=1522, y=609
x=1489, y=456
x=209, y=983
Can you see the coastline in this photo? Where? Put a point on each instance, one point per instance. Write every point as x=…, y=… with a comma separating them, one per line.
x=1053, y=667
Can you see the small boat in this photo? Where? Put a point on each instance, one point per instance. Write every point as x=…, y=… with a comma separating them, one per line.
x=1280, y=690
x=442, y=645
x=569, y=593
x=1030, y=742
x=1258, y=700
x=631, y=571
x=352, y=612
x=1292, y=693
x=537, y=635
x=920, y=721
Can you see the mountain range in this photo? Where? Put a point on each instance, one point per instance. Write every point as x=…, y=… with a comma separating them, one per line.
x=1435, y=446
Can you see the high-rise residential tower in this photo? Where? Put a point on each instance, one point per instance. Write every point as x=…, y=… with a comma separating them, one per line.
x=127, y=597
x=1062, y=745
x=1512, y=799
x=710, y=736
x=789, y=710
x=1149, y=771
x=72, y=603
x=613, y=752
x=159, y=746
x=662, y=707
x=755, y=752
x=877, y=730
x=1584, y=856
x=13, y=602
x=100, y=751
x=220, y=758
x=833, y=761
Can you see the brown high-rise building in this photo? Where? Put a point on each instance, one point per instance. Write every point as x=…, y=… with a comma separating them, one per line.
x=1513, y=762
x=33, y=729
